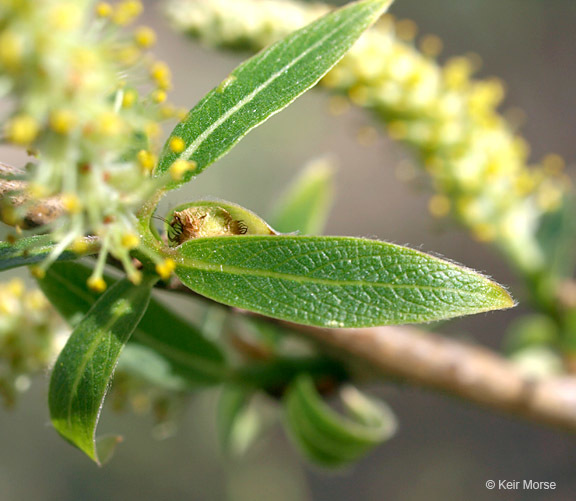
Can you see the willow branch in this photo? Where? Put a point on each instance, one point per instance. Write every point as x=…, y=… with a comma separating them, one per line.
x=472, y=373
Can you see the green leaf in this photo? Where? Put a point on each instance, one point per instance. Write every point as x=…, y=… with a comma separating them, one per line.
x=264, y=85
x=305, y=206
x=334, y=281
x=83, y=371
x=190, y=355
x=31, y=250
x=329, y=438
x=238, y=424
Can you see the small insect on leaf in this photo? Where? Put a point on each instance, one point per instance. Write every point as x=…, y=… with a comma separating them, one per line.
x=205, y=219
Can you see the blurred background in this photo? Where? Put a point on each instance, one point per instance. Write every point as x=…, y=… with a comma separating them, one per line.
x=444, y=449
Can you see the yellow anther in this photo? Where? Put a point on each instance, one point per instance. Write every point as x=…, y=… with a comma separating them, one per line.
x=160, y=73
x=35, y=300
x=159, y=96
x=97, y=284
x=181, y=113
x=457, y=72
x=146, y=160
x=37, y=191
x=145, y=37
x=152, y=130
x=128, y=55
x=130, y=241
x=103, y=9
x=165, y=268
x=22, y=129
x=180, y=167
x=63, y=121
x=79, y=246
x=135, y=277
x=37, y=272
x=358, y=95
x=109, y=124
x=71, y=203
x=16, y=287
x=10, y=49
x=65, y=17
x=126, y=12
x=129, y=98
x=168, y=110
x=177, y=144
x=484, y=232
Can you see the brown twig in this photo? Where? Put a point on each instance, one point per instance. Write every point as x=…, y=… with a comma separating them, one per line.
x=14, y=195
x=472, y=373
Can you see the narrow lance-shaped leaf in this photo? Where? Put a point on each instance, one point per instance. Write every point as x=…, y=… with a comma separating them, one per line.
x=84, y=369
x=265, y=84
x=334, y=281
x=190, y=355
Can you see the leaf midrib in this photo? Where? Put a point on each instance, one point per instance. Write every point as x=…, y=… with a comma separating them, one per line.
x=197, y=265
x=191, y=149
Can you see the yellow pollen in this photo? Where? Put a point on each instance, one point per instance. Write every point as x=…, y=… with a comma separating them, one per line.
x=22, y=129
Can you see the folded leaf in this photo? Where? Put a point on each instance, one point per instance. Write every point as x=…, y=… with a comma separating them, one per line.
x=264, y=85
x=82, y=373
x=331, y=439
x=333, y=281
